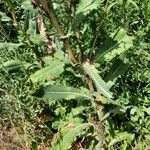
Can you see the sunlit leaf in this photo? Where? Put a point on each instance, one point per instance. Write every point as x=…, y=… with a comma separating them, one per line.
x=53, y=70
x=4, y=17
x=58, y=92
x=114, y=46
x=84, y=8
x=69, y=134
x=121, y=137
x=118, y=68
x=13, y=65
x=99, y=82
x=9, y=46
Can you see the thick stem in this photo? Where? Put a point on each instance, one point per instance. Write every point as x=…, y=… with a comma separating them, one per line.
x=44, y=5
x=61, y=34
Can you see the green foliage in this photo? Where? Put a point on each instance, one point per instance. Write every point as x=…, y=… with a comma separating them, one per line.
x=9, y=46
x=56, y=93
x=14, y=65
x=69, y=68
x=84, y=8
x=51, y=71
x=118, y=44
x=100, y=84
x=125, y=137
x=117, y=69
x=69, y=134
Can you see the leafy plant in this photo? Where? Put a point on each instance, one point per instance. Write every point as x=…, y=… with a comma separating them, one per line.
x=75, y=74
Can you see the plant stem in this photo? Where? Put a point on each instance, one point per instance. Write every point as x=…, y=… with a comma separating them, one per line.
x=44, y=5
x=61, y=34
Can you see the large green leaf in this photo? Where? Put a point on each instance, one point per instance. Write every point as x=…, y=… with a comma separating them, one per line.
x=106, y=47
x=9, y=46
x=59, y=92
x=72, y=116
x=115, y=45
x=14, y=65
x=124, y=43
x=53, y=70
x=122, y=136
x=99, y=82
x=118, y=68
x=58, y=56
x=84, y=8
x=69, y=134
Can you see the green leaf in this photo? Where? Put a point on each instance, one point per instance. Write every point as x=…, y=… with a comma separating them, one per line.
x=69, y=134
x=58, y=92
x=110, y=6
x=83, y=9
x=122, y=136
x=147, y=110
x=75, y=23
x=124, y=146
x=133, y=3
x=118, y=68
x=37, y=39
x=72, y=116
x=9, y=46
x=106, y=47
x=27, y=6
x=32, y=28
x=4, y=17
x=115, y=45
x=99, y=82
x=14, y=65
x=82, y=5
x=58, y=56
x=86, y=6
x=124, y=41
x=53, y=70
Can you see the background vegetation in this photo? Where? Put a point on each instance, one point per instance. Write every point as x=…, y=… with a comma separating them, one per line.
x=75, y=74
